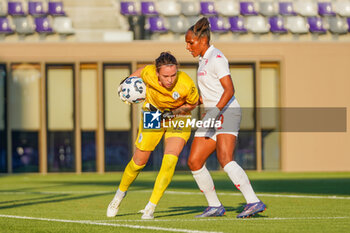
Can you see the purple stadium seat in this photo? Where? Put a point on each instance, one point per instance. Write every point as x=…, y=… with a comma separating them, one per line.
x=217, y=24
x=36, y=8
x=156, y=24
x=128, y=8
x=208, y=8
x=43, y=25
x=348, y=23
x=277, y=25
x=5, y=27
x=286, y=8
x=15, y=9
x=56, y=9
x=247, y=8
x=316, y=25
x=148, y=8
x=325, y=9
x=237, y=24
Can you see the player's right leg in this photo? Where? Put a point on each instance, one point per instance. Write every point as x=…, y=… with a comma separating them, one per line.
x=175, y=141
x=200, y=151
x=225, y=148
x=136, y=164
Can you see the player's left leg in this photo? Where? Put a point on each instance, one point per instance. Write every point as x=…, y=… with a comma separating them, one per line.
x=225, y=149
x=173, y=148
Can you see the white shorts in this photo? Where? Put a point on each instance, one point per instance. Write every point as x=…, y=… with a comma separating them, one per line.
x=230, y=122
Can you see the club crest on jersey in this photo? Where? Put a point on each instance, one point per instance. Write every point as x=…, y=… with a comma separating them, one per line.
x=176, y=95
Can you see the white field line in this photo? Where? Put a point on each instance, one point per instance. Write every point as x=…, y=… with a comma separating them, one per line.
x=266, y=195
x=182, y=193
x=54, y=192
x=107, y=224
x=225, y=219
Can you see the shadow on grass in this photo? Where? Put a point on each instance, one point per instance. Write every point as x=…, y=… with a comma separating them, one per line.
x=195, y=210
x=313, y=186
x=26, y=200
x=323, y=186
x=183, y=210
x=31, y=188
x=49, y=199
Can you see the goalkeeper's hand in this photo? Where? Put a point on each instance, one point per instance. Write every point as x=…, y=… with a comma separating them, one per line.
x=213, y=114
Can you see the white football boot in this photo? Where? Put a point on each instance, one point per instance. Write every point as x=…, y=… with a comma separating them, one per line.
x=113, y=207
x=148, y=212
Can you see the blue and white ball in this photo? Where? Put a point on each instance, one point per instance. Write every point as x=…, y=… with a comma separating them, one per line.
x=133, y=90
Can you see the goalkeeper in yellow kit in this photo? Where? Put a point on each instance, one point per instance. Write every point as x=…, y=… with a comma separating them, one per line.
x=173, y=93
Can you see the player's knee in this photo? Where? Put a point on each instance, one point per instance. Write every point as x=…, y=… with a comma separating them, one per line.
x=193, y=164
x=223, y=161
x=224, y=158
x=138, y=163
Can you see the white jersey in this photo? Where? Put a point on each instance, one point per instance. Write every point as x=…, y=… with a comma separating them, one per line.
x=212, y=67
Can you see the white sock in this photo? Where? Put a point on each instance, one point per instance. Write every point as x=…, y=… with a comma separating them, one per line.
x=241, y=181
x=150, y=205
x=119, y=194
x=206, y=185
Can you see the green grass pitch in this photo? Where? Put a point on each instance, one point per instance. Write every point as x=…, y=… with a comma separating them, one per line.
x=296, y=202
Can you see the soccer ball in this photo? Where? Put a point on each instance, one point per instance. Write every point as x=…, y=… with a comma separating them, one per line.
x=133, y=90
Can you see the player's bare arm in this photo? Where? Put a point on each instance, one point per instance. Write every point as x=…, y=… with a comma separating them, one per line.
x=137, y=72
x=229, y=91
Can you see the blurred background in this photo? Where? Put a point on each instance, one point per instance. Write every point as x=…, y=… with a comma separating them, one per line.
x=61, y=62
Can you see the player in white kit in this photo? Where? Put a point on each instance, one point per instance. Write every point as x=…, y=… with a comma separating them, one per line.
x=217, y=96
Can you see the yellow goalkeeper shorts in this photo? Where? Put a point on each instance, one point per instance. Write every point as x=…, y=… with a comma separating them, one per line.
x=148, y=139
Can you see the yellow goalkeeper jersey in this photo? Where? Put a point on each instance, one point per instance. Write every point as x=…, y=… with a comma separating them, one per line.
x=184, y=90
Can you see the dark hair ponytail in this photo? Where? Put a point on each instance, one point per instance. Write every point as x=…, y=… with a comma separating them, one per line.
x=201, y=28
x=165, y=58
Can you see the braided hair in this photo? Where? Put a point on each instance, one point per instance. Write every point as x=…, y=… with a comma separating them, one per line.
x=201, y=28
